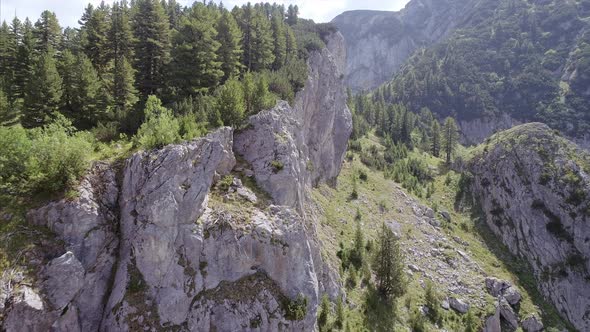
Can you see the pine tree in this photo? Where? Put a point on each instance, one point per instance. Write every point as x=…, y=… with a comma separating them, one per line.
x=450, y=138
x=15, y=36
x=24, y=58
x=230, y=102
x=95, y=37
x=123, y=92
x=324, y=314
x=339, y=322
x=249, y=89
x=358, y=251
x=47, y=33
x=435, y=141
x=81, y=98
x=120, y=36
x=174, y=12
x=230, y=52
x=7, y=114
x=195, y=68
x=152, y=47
x=291, y=43
x=389, y=266
x=262, y=56
x=262, y=98
x=292, y=15
x=43, y=93
x=279, y=34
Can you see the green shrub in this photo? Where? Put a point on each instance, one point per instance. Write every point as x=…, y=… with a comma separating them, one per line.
x=160, y=127
x=295, y=309
x=432, y=299
x=277, y=165
x=41, y=160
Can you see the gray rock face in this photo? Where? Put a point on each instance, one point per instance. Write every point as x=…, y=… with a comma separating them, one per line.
x=534, y=189
x=292, y=148
x=476, y=131
x=493, y=322
x=378, y=43
x=78, y=281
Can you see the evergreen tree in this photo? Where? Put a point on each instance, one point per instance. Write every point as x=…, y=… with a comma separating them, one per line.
x=15, y=36
x=230, y=103
x=7, y=114
x=339, y=322
x=230, y=51
x=81, y=98
x=43, y=92
x=195, y=68
x=389, y=266
x=174, y=12
x=47, y=33
x=120, y=36
x=292, y=15
x=262, y=56
x=358, y=251
x=435, y=141
x=249, y=89
x=291, y=43
x=450, y=138
x=262, y=98
x=95, y=31
x=152, y=47
x=324, y=314
x=24, y=59
x=124, y=92
x=4, y=52
x=279, y=33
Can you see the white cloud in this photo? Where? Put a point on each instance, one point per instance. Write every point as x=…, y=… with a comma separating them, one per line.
x=69, y=11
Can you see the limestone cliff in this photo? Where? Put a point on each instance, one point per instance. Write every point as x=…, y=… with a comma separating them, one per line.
x=174, y=240
x=534, y=189
x=379, y=43
x=292, y=148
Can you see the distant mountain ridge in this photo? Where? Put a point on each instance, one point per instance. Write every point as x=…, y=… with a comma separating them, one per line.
x=380, y=42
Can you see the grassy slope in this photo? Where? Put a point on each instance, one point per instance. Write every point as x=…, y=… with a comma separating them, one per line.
x=492, y=258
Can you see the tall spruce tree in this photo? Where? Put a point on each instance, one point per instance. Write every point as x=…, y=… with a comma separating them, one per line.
x=279, y=33
x=152, y=47
x=230, y=51
x=230, y=102
x=262, y=56
x=195, y=68
x=47, y=33
x=389, y=265
x=450, y=137
x=43, y=93
x=15, y=36
x=435, y=141
x=292, y=15
x=95, y=37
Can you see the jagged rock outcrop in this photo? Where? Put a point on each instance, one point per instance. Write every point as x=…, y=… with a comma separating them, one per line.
x=475, y=131
x=534, y=189
x=73, y=287
x=293, y=148
x=378, y=42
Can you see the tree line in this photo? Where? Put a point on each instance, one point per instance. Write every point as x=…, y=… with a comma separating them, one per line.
x=214, y=63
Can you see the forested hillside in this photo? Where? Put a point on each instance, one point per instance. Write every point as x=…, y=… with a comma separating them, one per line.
x=528, y=59
x=148, y=72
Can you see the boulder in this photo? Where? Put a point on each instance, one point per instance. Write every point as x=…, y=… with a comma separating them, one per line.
x=532, y=324
x=508, y=314
x=512, y=295
x=445, y=215
x=459, y=305
x=64, y=278
x=493, y=323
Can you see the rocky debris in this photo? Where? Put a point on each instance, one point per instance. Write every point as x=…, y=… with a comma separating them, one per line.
x=503, y=289
x=292, y=148
x=532, y=324
x=533, y=187
x=459, y=305
x=445, y=304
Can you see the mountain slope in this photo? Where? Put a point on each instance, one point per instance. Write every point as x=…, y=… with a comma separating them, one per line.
x=526, y=60
x=379, y=42
x=533, y=187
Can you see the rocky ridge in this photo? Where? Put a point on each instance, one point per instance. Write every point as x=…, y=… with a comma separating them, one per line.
x=533, y=188
x=168, y=243
x=390, y=38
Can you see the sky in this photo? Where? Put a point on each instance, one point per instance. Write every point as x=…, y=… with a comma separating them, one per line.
x=69, y=11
